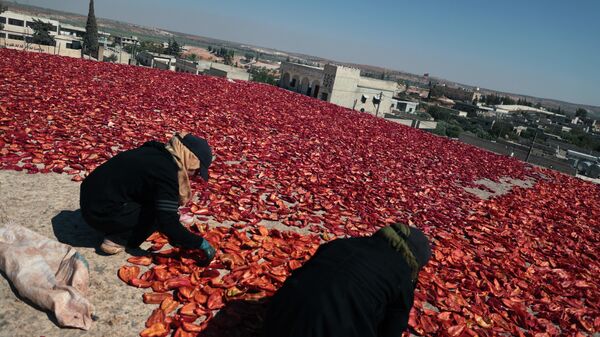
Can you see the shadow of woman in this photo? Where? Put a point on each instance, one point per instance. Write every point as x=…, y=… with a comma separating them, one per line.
x=70, y=228
x=239, y=318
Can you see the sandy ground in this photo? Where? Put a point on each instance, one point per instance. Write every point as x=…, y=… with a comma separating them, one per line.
x=202, y=53
x=48, y=204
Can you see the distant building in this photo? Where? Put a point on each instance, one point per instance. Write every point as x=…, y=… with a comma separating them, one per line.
x=445, y=101
x=223, y=70
x=586, y=164
x=468, y=108
x=17, y=27
x=412, y=120
x=417, y=92
x=156, y=60
x=18, y=34
x=126, y=40
x=519, y=129
x=66, y=29
x=455, y=94
x=340, y=85
x=192, y=67
x=405, y=106
x=211, y=69
x=524, y=108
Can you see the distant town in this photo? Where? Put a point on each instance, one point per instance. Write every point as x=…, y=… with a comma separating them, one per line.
x=567, y=140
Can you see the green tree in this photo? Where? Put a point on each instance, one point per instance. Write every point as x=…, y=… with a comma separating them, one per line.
x=581, y=139
x=438, y=113
x=440, y=128
x=112, y=58
x=263, y=75
x=447, y=129
x=3, y=8
x=249, y=56
x=192, y=57
x=507, y=100
x=152, y=47
x=528, y=134
x=90, y=39
x=173, y=48
x=581, y=112
x=453, y=131
x=228, y=57
x=500, y=129
x=210, y=49
x=41, y=33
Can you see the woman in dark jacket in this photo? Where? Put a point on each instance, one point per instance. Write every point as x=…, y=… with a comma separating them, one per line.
x=139, y=191
x=356, y=287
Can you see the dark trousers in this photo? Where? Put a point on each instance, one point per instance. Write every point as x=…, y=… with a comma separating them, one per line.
x=131, y=223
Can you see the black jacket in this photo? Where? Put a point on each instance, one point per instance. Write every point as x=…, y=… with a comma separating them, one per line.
x=357, y=287
x=145, y=176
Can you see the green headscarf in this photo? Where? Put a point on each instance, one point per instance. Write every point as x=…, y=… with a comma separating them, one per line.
x=397, y=235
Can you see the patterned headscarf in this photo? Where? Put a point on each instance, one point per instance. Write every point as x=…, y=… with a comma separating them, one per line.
x=185, y=160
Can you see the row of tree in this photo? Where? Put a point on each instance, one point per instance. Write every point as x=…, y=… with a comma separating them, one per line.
x=226, y=54
x=173, y=47
x=507, y=100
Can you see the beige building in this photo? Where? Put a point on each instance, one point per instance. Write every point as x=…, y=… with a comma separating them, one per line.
x=192, y=67
x=223, y=70
x=340, y=85
x=211, y=69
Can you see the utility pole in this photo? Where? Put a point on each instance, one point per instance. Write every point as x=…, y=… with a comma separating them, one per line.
x=531, y=147
x=379, y=104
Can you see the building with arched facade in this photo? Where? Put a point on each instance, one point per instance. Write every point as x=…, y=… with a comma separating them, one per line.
x=340, y=85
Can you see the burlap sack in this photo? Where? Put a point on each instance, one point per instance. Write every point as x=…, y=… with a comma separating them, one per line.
x=50, y=274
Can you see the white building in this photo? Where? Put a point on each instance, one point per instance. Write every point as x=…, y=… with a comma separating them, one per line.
x=66, y=29
x=17, y=27
x=340, y=85
x=405, y=106
x=523, y=108
x=126, y=40
x=17, y=34
x=156, y=60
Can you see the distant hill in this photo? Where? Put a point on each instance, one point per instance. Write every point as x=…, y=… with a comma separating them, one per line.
x=157, y=34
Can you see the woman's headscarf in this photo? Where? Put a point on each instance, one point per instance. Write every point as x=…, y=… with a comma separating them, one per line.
x=411, y=242
x=186, y=160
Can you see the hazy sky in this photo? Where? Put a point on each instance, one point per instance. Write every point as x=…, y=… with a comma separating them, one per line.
x=545, y=48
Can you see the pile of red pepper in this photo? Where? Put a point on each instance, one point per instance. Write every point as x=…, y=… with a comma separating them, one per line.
x=252, y=263
x=518, y=264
